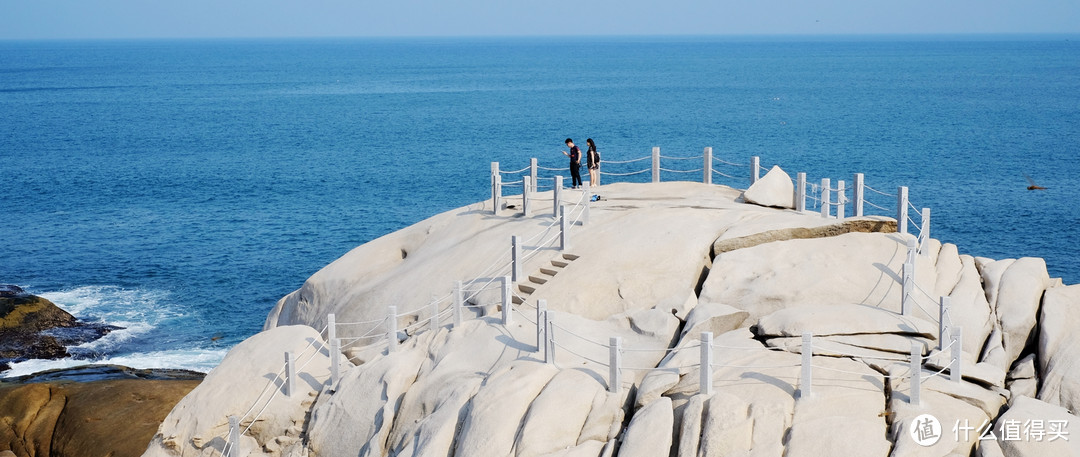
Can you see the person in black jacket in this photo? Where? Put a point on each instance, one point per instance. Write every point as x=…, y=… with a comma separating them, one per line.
x=575, y=163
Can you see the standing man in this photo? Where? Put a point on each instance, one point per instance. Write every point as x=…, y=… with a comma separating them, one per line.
x=575, y=163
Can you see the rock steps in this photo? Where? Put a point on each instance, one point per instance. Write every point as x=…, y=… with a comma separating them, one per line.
x=544, y=274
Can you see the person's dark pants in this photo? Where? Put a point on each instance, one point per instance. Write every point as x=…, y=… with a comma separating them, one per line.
x=575, y=176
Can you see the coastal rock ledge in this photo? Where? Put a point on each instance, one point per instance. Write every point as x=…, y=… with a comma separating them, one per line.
x=656, y=279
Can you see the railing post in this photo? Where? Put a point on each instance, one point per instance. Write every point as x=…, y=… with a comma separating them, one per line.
x=525, y=195
x=901, y=209
x=564, y=230
x=800, y=192
x=335, y=361
x=944, y=321
x=233, y=450
x=515, y=258
x=908, y=276
x=957, y=348
x=806, y=388
x=498, y=193
x=860, y=195
x=290, y=374
x=541, y=326
x=707, y=175
x=656, y=164
x=614, y=363
x=507, y=308
x=331, y=326
x=755, y=169
x=826, y=202
x=459, y=301
x=533, y=167
x=924, y=232
x=496, y=187
x=841, y=200
x=916, y=373
x=549, y=345
x=391, y=329
x=556, y=196
x=705, y=381
x=912, y=251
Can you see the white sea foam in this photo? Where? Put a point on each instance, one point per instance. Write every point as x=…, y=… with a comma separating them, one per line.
x=202, y=360
x=139, y=312
x=115, y=305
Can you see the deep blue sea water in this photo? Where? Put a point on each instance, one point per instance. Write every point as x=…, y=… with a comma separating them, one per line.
x=179, y=188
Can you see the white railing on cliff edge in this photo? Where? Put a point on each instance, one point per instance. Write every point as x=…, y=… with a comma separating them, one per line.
x=528, y=179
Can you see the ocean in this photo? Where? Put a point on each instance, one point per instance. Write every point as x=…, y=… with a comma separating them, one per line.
x=178, y=189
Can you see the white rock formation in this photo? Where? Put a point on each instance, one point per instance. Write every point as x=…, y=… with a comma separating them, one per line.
x=1059, y=348
x=247, y=384
x=654, y=267
x=775, y=189
x=1032, y=428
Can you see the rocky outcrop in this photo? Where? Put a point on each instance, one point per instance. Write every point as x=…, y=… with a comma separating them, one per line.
x=32, y=327
x=658, y=268
x=115, y=414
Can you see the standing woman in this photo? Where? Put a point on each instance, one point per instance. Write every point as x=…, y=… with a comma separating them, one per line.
x=594, y=163
x=575, y=163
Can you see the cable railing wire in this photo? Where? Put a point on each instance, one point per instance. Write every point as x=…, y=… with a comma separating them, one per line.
x=682, y=158
x=608, y=173
x=627, y=161
x=699, y=170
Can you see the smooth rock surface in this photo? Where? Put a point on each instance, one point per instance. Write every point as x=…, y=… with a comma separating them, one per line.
x=775, y=189
x=198, y=424
x=851, y=268
x=1059, y=348
x=1059, y=425
x=655, y=265
x=76, y=419
x=650, y=431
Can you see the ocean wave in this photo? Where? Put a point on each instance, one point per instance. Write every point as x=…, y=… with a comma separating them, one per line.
x=114, y=304
x=201, y=360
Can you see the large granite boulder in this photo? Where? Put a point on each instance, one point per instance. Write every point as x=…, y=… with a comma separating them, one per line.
x=1059, y=348
x=1018, y=430
x=1016, y=304
x=775, y=189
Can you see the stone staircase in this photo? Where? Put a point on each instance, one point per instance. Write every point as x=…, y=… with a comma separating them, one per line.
x=535, y=280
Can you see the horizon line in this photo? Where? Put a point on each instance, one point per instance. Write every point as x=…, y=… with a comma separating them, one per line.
x=1065, y=35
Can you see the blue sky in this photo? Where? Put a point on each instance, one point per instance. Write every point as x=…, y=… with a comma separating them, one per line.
x=65, y=19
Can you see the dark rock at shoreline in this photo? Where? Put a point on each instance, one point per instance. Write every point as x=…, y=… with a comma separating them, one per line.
x=32, y=327
x=91, y=373
x=8, y=290
x=86, y=411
